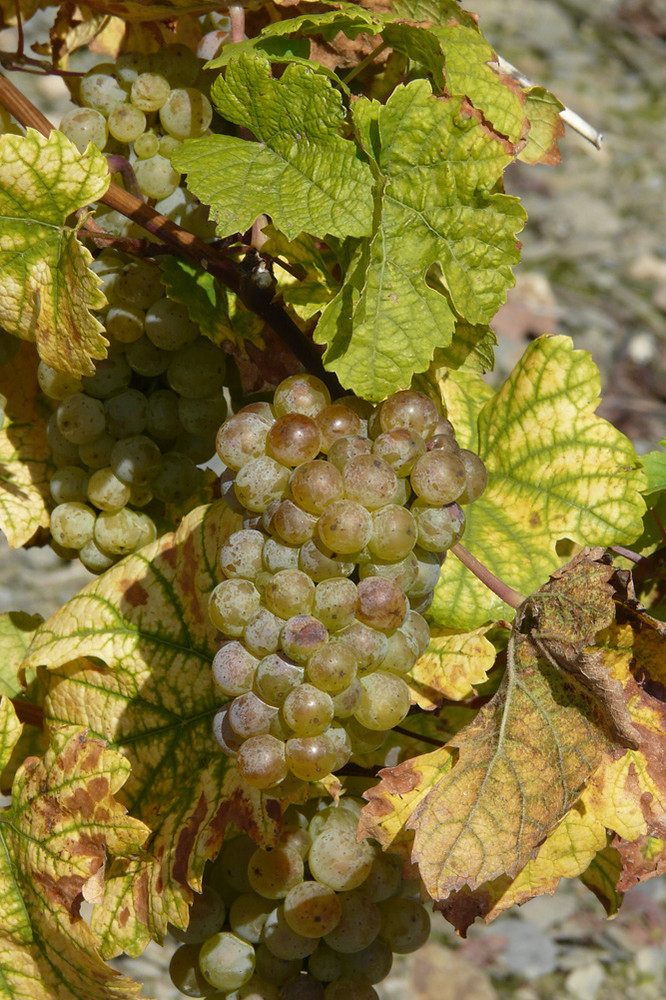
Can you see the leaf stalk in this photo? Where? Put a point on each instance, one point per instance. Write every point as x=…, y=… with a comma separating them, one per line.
x=492, y=582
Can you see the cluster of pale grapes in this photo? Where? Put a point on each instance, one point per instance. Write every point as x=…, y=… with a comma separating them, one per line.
x=349, y=510
x=127, y=441
x=143, y=107
x=318, y=917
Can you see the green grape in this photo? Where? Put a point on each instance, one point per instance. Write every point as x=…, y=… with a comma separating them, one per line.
x=198, y=370
x=385, y=877
x=402, y=573
x=312, y=909
x=438, y=477
x=126, y=413
x=226, y=961
x=129, y=65
x=64, y=451
x=292, y=524
x=125, y=323
x=336, y=858
x=118, y=532
x=146, y=146
x=335, y=422
x=369, y=480
x=248, y=915
x=342, y=743
x=372, y=963
x=178, y=63
x=255, y=989
x=296, y=837
x=241, y=554
x=111, y=375
x=101, y=91
x=187, y=113
x=94, y=559
x=261, y=761
x=335, y=602
x=147, y=527
x=301, y=394
x=276, y=677
x=307, y=710
x=325, y=964
x=96, y=454
x=55, y=384
x=293, y=439
x=155, y=175
x=108, y=267
x=146, y=359
x=350, y=988
x=140, y=284
x=84, y=125
x=405, y=924
x=262, y=633
x=429, y=569
x=346, y=448
x=346, y=702
x=302, y=987
x=384, y=702
x=290, y=592
x=149, y=91
x=202, y=416
x=276, y=970
x=168, y=325
x=319, y=563
x=168, y=146
x=241, y=439
x=358, y=925
x=125, y=122
x=162, y=420
x=106, y=492
x=369, y=645
x=185, y=973
x=345, y=526
x=234, y=669
x=231, y=605
x=301, y=636
x=416, y=627
x=409, y=409
x=364, y=740
x=399, y=447
x=250, y=716
x=283, y=941
x=259, y=482
x=316, y=484
x=273, y=873
x=232, y=863
x=401, y=654
x=310, y=758
x=333, y=667
x=438, y=527
x=476, y=477
x=72, y=524
x=136, y=460
x=69, y=484
x=177, y=480
x=207, y=914
x=394, y=532
x=381, y=603
x=80, y=418
x=277, y=556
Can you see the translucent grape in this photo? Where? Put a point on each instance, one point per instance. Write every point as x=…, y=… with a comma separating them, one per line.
x=385, y=701
x=364, y=740
x=233, y=862
x=325, y=964
x=307, y=710
x=207, y=914
x=335, y=602
x=301, y=636
x=72, y=524
x=350, y=988
x=149, y=91
x=302, y=987
x=273, y=873
x=168, y=325
x=84, y=125
x=177, y=479
x=118, y=532
x=318, y=562
x=291, y=592
x=342, y=743
x=250, y=716
x=273, y=969
x=278, y=557
x=146, y=359
x=346, y=448
x=202, y=416
x=162, y=420
x=345, y=526
x=312, y=909
x=405, y=924
x=315, y=484
x=231, y=605
x=369, y=480
x=409, y=409
x=385, y=877
x=401, y=654
x=293, y=439
x=248, y=914
x=338, y=860
x=333, y=667
x=369, y=645
x=283, y=941
x=310, y=757
x=381, y=603
x=427, y=577
x=293, y=524
x=55, y=384
x=80, y=418
x=241, y=554
x=261, y=761
x=476, y=477
x=347, y=701
x=106, y=491
x=260, y=481
x=336, y=422
x=69, y=484
x=185, y=972
x=262, y=633
x=178, y=63
x=136, y=460
x=126, y=413
x=156, y=177
x=111, y=375
x=301, y=394
x=399, y=447
x=276, y=677
x=125, y=323
x=94, y=559
x=101, y=91
x=146, y=146
x=233, y=669
x=358, y=925
x=438, y=527
x=187, y=113
x=126, y=123
x=417, y=627
x=438, y=477
x=372, y=963
x=198, y=370
x=404, y=572
x=226, y=961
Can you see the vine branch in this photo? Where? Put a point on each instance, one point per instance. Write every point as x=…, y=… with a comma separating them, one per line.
x=492, y=582
x=258, y=300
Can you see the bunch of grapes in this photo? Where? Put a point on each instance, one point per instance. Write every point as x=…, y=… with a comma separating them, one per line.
x=318, y=917
x=128, y=440
x=349, y=510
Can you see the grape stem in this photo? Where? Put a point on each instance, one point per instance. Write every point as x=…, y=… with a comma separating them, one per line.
x=259, y=301
x=120, y=164
x=492, y=582
x=620, y=550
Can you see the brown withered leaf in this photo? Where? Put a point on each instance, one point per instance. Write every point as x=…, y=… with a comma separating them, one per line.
x=482, y=806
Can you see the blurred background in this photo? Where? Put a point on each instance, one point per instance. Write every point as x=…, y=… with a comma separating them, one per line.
x=594, y=268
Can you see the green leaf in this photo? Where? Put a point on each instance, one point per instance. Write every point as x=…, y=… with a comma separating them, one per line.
x=349, y=18
x=654, y=467
x=48, y=288
x=546, y=127
x=300, y=172
x=315, y=286
x=220, y=315
x=16, y=631
x=276, y=49
x=54, y=839
x=438, y=205
x=150, y=693
x=555, y=470
x=434, y=11
x=25, y=454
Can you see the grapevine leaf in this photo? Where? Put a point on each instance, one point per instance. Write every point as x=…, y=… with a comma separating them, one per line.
x=555, y=470
x=208, y=303
x=63, y=817
x=472, y=349
x=434, y=11
x=602, y=877
x=24, y=451
x=513, y=773
x=128, y=10
x=315, y=286
x=654, y=466
x=48, y=289
x=300, y=172
x=438, y=205
x=150, y=693
x=350, y=19
x=276, y=49
x=16, y=631
x=546, y=127
x=450, y=667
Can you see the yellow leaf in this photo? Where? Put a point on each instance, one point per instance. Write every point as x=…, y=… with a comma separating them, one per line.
x=48, y=288
x=24, y=451
x=450, y=667
x=152, y=696
x=54, y=837
x=16, y=631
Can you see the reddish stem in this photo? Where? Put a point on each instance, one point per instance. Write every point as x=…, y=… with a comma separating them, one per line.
x=492, y=582
x=28, y=712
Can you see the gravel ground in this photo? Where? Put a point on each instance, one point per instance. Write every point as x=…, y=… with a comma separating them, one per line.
x=595, y=268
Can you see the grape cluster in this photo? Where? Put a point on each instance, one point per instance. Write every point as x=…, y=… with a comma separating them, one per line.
x=318, y=917
x=128, y=440
x=349, y=510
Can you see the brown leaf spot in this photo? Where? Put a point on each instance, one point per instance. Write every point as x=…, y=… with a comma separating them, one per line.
x=186, y=839
x=123, y=916
x=535, y=520
x=134, y=593
x=462, y=908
